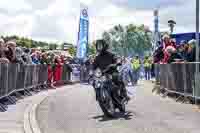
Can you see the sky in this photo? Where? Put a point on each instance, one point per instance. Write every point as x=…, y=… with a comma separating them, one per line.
x=58, y=20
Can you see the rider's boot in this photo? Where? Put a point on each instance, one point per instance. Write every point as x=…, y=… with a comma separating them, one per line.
x=127, y=98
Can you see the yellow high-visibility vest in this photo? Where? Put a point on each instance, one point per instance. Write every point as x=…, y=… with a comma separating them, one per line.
x=136, y=64
x=147, y=63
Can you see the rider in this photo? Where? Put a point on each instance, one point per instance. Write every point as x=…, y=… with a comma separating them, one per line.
x=104, y=59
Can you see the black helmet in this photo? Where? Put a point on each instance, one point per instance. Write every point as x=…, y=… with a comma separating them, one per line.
x=101, y=45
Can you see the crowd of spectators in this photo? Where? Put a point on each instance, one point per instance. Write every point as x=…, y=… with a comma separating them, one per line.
x=11, y=53
x=170, y=52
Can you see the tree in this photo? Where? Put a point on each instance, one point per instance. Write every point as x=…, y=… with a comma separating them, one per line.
x=30, y=43
x=129, y=40
x=52, y=46
x=72, y=50
x=92, y=49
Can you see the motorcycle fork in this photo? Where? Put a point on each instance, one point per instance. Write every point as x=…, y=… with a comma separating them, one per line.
x=116, y=98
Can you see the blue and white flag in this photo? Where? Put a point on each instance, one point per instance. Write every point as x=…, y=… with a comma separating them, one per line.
x=82, y=43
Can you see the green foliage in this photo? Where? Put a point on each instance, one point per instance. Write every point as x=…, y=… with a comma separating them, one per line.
x=72, y=50
x=29, y=43
x=92, y=49
x=128, y=40
x=53, y=46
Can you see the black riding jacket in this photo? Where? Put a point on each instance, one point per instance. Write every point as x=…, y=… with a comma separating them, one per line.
x=103, y=60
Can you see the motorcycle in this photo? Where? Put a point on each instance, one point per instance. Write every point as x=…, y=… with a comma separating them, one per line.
x=90, y=78
x=108, y=95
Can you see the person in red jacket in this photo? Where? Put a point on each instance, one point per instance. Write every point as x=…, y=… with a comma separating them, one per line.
x=167, y=44
x=167, y=54
x=166, y=41
x=57, y=70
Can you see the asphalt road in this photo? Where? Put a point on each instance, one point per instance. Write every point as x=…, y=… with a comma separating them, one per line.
x=76, y=111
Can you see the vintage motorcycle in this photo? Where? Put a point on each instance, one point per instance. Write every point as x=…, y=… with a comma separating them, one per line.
x=108, y=94
x=91, y=77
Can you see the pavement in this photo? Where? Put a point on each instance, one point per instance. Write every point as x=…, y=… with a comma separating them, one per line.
x=12, y=121
x=74, y=110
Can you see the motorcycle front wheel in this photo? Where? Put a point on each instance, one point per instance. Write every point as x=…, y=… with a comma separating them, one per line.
x=90, y=80
x=109, y=112
x=107, y=105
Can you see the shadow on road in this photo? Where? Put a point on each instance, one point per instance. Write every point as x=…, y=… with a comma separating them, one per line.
x=103, y=118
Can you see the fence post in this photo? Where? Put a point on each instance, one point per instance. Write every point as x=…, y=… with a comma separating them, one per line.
x=184, y=79
x=197, y=85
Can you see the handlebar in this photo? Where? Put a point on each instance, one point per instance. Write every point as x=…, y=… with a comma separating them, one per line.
x=111, y=66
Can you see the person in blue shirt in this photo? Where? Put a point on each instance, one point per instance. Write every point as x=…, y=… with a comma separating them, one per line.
x=35, y=59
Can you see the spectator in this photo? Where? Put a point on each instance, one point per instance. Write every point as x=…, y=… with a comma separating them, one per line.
x=158, y=55
x=27, y=57
x=166, y=41
x=18, y=56
x=62, y=57
x=58, y=69
x=10, y=51
x=35, y=59
x=173, y=43
x=192, y=50
x=2, y=48
x=147, y=68
x=4, y=60
x=182, y=49
x=126, y=72
x=173, y=55
x=136, y=64
x=51, y=68
x=44, y=59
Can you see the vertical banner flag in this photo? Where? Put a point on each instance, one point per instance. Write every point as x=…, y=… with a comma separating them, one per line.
x=156, y=29
x=82, y=43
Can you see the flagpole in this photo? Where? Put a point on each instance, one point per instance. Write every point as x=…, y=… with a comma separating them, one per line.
x=197, y=77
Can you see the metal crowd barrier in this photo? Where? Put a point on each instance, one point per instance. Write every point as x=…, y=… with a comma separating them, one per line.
x=16, y=77
x=177, y=78
x=66, y=73
x=76, y=72
x=84, y=73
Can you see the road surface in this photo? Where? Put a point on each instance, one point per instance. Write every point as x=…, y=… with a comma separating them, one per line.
x=76, y=111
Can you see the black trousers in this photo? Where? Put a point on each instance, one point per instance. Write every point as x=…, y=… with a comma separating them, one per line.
x=118, y=81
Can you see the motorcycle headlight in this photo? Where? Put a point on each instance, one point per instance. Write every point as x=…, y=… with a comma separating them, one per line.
x=103, y=78
x=90, y=72
x=97, y=84
x=98, y=73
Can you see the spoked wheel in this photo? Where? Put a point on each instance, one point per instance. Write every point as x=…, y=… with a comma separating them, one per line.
x=90, y=80
x=107, y=105
x=122, y=108
x=108, y=109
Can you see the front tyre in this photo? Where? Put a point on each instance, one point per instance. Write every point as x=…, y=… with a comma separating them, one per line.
x=90, y=80
x=122, y=108
x=109, y=112
x=106, y=104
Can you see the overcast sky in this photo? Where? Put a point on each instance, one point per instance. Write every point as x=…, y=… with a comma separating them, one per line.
x=57, y=20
